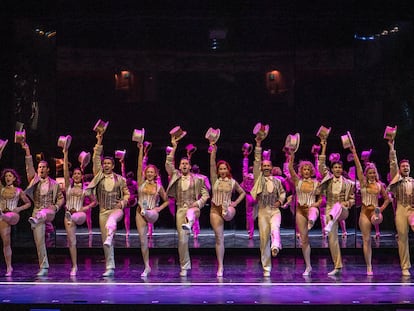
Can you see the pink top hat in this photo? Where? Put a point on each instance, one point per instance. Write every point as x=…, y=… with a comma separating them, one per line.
x=292, y=142
x=64, y=142
x=323, y=132
x=365, y=155
x=3, y=144
x=247, y=148
x=190, y=149
x=212, y=135
x=347, y=141
x=177, y=133
x=120, y=154
x=84, y=158
x=20, y=136
x=267, y=154
x=168, y=149
x=261, y=130
x=315, y=149
x=147, y=146
x=390, y=132
x=100, y=126
x=334, y=157
x=350, y=157
x=138, y=135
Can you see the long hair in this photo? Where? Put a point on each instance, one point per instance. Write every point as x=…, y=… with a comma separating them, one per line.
x=16, y=183
x=229, y=175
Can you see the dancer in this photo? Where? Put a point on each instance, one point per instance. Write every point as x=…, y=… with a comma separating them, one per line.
x=308, y=200
x=78, y=202
x=371, y=213
x=222, y=207
x=339, y=193
x=47, y=198
x=247, y=185
x=112, y=195
x=402, y=187
x=150, y=191
x=270, y=194
x=191, y=194
x=10, y=197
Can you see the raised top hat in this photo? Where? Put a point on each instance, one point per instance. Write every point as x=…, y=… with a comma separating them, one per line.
x=347, y=141
x=292, y=142
x=212, y=135
x=190, y=149
x=120, y=154
x=59, y=164
x=315, y=149
x=20, y=136
x=3, y=144
x=390, y=132
x=84, y=158
x=138, y=135
x=267, y=154
x=261, y=130
x=40, y=157
x=350, y=157
x=100, y=126
x=247, y=148
x=64, y=142
x=177, y=133
x=147, y=146
x=168, y=149
x=365, y=155
x=323, y=132
x=334, y=157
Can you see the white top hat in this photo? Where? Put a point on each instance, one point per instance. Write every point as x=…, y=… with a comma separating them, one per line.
x=84, y=158
x=261, y=130
x=3, y=144
x=323, y=132
x=315, y=149
x=120, y=154
x=138, y=135
x=292, y=142
x=390, y=132
x=267, y=154
x=64, y=142
x=178, y=133
x=248, y=148
x=334, y=157
x=212, y=135
x=347, y=141
x=20, y=136
x=100, y=126
x=365, y=155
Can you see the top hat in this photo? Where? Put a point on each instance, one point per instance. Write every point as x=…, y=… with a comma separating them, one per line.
x=247, y=148
x=100, y=126
x=59, y=163
x=168, y=150
x=377, y=219
x=120, y=154
x=365, y=155
x=147, y=146
x=138, y=135
x=323, y=132
x=212, y=135
x=334, y=157
x=350, y=157
x=40, y=157
x=315, y=149
x=84, y=158
x=292, y=142
x=177, y=133
x=266, y=154
x=20, y=136
x=347, y=141
x=190, y=149
x=390, y=132
x=64, y=142
x=3, y=144
x=261, y=130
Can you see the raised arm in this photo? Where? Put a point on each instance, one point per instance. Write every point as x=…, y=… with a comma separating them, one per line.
x=140, y=174
x=30, y=171
x=213, y=168
x=66, y=168
x=293, y=176
x=358, y=166
x=169, y=162
x=97, y=151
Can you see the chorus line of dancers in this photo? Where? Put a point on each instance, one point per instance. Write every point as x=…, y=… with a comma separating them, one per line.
x=316, y=189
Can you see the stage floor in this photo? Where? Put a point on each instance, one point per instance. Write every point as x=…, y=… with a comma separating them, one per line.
x=242, y=287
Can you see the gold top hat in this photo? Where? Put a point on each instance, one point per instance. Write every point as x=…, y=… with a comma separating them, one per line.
x=147, y=146
x=138, y=135
x=59, y=164
x=266, y=154
x=347, y=141
x=168, y=149
x=212, y=135
x=261, y=130
x=365, y=155
x=3, y=144
x=100, y=126
x=177, y=133
x=323, y=132
x=334, y=157
x=292, y=142
x=20, y=136
x=247, y=148
x=120, y=154
x=350, y=157
x=40, y=157
x=390, y=132
x=84, y=158
x=64, y=142
x=190, y=149
x=315, y=149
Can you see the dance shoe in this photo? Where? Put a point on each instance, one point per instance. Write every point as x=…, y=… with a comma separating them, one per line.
x=9, y=272
x=275, y=251
x=33, y=222
x=43, y=272
x=183, y=273
x=109, y=240
x=328, y=227
x=186, y=227
x=405, y=272
x=73, y=271
x=266, y=274
x=145, y=273
x=219, y=273
x=335, y=272
x=307, y=272
x=108, y=273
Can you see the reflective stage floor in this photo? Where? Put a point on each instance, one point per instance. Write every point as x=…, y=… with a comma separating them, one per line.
x=242, y=287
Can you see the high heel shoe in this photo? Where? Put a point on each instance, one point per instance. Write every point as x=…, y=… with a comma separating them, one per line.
x=145, y=273
x=307, y=271
x=9, y=272
x=74, y=271
x=219, y=273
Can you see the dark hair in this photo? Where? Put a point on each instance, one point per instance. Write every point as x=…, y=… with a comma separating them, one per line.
x=108, y=158
x=337, y=162
x=16, y=183
x=403, y=161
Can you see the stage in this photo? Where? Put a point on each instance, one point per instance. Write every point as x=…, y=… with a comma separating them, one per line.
x=242, y=286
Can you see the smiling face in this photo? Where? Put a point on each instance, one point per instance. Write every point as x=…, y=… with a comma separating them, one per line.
x=337, y=170
x=405, y=168
x=77, y=175
x=150, y=173
x=107, y=166
x=267, y=168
